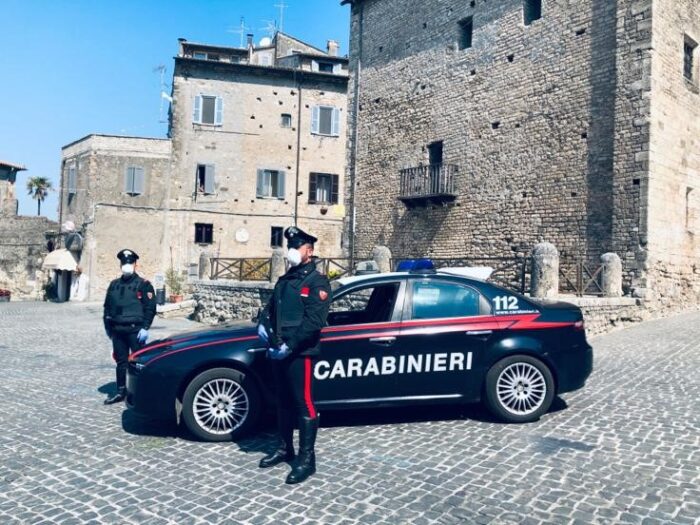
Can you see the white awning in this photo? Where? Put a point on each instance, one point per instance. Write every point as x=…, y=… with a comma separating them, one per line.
x=59, y=260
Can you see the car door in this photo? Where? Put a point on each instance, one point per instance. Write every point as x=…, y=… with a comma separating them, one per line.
x=358, y=345
x=446, y=327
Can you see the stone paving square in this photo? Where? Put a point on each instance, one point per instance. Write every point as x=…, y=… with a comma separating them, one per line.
x=625, y=449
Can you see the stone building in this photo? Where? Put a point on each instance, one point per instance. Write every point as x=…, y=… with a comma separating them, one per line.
x=256, y=143
x=23, y=241
x=480, y=128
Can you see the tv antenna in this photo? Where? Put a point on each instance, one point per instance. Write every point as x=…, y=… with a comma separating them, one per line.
x=282, y=6
x=163, y=94
x=241, y=31
x=270, y=27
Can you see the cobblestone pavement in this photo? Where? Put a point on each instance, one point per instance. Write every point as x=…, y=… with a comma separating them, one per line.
x=625, y=449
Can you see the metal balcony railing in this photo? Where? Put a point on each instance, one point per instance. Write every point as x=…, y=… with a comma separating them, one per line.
x=435, y=182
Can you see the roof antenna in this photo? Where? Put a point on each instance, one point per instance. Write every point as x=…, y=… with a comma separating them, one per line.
x=241, y=31
x=282, y=6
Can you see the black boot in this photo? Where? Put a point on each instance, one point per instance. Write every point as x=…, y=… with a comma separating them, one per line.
x=285, y=450
x=116, y=398
x=305, y=464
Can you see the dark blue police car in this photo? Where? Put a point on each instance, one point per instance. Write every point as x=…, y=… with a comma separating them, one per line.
x=404, y=338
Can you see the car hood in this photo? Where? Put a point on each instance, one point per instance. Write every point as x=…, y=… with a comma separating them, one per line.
x=201, y=336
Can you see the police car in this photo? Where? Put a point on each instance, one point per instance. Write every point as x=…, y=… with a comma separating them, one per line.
x=402, y=338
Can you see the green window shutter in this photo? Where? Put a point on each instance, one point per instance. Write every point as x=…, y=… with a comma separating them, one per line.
x=280, y=184
x=335, y=126
x=128, y=180
x=260, y=189
x=197, y=111
x=312, y=188
x=334, y=190
x=209, y=179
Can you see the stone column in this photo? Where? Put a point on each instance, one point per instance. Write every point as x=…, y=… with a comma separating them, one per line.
x=545, y=271
x=611, y=275
x=204, y=266
x=278, y=266
x=382, y=256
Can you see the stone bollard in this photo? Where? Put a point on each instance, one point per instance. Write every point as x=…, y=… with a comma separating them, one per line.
x=545, y=271
x=204, y=266
x=278, y=266
x=611, y=275
x=382, y=256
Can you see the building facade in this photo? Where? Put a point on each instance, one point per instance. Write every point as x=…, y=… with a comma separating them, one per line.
x=256, y=143
x=481, y=128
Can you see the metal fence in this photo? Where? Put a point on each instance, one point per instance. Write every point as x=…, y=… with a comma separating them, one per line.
x=253, y=269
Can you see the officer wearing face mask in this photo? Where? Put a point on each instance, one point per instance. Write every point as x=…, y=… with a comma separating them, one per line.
x=291, y=323
x=129, y=309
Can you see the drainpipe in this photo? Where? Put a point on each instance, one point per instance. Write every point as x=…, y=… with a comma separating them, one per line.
x=296, y=185
x=353, y=154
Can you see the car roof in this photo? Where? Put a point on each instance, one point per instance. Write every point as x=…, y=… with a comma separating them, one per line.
x=479, y=274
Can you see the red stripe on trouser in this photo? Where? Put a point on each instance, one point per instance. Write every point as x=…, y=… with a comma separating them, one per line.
x=307, y=388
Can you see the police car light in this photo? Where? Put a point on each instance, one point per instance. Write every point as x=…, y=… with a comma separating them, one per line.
x=413, y=265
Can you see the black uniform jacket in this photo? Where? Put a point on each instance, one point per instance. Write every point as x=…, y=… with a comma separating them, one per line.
x=298, y=309
x=130, y=304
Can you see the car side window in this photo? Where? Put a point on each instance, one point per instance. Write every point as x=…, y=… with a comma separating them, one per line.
x=435, y=300
x=371, y=304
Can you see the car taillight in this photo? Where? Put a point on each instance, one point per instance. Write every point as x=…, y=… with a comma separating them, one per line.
x=579, y=326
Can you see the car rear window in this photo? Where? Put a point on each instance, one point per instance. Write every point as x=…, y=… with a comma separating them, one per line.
x=433, y=300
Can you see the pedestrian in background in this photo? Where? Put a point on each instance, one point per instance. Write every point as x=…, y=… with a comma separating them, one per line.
x=129, y=309
x=291, y=323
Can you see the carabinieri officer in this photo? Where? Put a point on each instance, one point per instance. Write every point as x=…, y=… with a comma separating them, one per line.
x=292, y=323
x=129, y=309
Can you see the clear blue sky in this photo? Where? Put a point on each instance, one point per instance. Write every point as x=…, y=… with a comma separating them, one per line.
x=74, y=67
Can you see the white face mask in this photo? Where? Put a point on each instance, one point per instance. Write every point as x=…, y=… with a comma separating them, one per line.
x=127, y=269
x=294, y=257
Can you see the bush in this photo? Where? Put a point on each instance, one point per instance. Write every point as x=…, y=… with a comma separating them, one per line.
x=174, y=281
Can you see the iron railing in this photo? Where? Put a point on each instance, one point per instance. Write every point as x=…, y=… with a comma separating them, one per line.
x=241, y=269
x=580, y=277
x=436, y=181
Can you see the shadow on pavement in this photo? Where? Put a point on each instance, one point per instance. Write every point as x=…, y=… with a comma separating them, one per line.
x=109, y=389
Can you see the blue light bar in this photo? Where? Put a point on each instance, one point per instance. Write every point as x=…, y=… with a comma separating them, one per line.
x=410, y=265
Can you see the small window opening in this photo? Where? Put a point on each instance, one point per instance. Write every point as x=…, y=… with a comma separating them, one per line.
x=286, y=120
x=203, y=233
x=466, y=29
x=532, y=10
x=276, y=236
x=689, y=47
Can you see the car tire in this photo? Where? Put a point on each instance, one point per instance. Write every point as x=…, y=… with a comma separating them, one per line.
x=221, y=404
x=519, y=389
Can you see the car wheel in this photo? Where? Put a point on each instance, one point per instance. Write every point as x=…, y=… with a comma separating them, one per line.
x=519, y=389
x=220, y=404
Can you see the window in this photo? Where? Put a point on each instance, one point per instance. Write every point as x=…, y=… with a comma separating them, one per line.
x=213, y=56
x=72, y=180
x=434, y=300
x=276, y=236
x=325, y=67
x=532, y=10
x=689, y=47
x=265, y=59
x=374, y=304
x=204, y=179
x=203, y=233
x=208, y=110
x=133, y=180
x=200, y=55
x=323, y=188
x=325, y=120
x=270, y=184
x=466, y=28
x=286, y=120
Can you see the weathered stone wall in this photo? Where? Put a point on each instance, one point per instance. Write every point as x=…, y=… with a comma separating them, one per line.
x=673, y=263
x=23, y=246
x=223, y=301
x=548, y=124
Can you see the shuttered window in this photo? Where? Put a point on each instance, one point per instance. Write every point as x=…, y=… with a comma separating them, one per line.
x=72, y=181
x=323, y=188
x=205, y=179
x=325, y=120
x=134, y=180
x=208, y=109
x=270, y=183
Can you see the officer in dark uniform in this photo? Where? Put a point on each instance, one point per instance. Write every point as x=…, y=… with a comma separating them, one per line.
x=129, y=309
x=291, y=323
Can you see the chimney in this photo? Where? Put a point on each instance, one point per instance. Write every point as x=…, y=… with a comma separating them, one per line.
x=250, y=39
x=332, y=48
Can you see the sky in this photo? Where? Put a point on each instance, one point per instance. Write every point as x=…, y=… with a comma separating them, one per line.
x=69, y=68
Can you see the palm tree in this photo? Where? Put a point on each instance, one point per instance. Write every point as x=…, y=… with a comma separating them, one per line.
x=38, y=188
